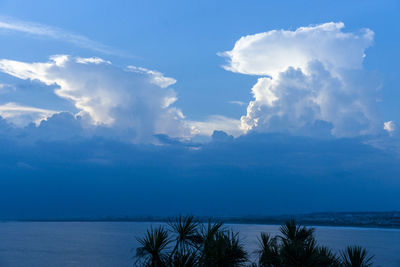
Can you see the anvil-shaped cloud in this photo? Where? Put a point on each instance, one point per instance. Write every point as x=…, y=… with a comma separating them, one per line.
x=133, y=98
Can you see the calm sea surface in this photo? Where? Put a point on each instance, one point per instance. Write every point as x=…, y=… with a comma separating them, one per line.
x=98, y=244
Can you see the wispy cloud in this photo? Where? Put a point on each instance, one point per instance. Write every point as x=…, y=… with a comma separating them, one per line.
x=236, y=102
x=32, y=28
x=5, y=88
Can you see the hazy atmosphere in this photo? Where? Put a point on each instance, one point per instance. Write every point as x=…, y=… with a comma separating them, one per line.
x=141, y=108
x=199, y=133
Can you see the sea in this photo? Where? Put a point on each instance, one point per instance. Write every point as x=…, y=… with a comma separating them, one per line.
x=113, y=244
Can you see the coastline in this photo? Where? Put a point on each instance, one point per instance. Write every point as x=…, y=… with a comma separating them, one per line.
x=364, y=220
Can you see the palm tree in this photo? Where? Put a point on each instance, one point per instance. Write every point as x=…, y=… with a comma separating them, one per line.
x=325, y=257
x=296, y=233
x=186, y=231
x=223, y=249
x=211, y=245
x=268, y=252
x=298, y=245
x=184, y=259
x=208, y=233
x=356, y=256
x=152, y=252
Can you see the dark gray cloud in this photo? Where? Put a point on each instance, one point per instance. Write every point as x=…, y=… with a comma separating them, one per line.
x=58, y=169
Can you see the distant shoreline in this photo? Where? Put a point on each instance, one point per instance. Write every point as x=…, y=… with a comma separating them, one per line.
x=383, y=220
x=396, y=227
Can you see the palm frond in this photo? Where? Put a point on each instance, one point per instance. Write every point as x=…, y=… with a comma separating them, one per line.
x=268, y=251
x=356, y=256
x=153, y=247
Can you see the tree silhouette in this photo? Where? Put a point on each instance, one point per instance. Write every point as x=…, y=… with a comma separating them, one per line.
x=153, y=250
x=195, y=244
x=356, y=256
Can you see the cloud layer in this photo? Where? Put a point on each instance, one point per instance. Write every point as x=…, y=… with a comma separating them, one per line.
x=313, y=81
x=252, y=174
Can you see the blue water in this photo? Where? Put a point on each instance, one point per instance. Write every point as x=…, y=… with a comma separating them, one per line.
x=98, y=244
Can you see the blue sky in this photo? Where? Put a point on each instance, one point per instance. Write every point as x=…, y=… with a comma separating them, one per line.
x=181, y=39
x=116, y=103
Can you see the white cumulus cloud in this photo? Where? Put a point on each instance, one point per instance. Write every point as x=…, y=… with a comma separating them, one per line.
x=134, y=99
x=313, y=78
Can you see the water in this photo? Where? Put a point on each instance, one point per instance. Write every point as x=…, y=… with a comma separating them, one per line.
x=104, y=244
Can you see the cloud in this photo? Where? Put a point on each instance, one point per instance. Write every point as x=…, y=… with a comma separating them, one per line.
x=157, y=78
x=93, y=60
x=6, y=88
x=23, y=115
x=216, y=123
x=236, y=102
x=256, y=168
x=272, y=52
x=312, y=83
x=9, y=24
x=313, y=77
x=389, y=126
x=132, y=99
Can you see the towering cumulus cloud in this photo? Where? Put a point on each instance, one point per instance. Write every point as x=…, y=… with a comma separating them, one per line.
x=132, y=99
x=312, y=81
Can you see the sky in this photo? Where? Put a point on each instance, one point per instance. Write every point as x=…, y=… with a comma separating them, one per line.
x=212, y=98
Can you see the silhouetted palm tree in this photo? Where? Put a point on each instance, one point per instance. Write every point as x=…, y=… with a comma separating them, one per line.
x=356, y=256
x=325, y=257
x=186, y=231
x=294, y=233
x=268, y=251
x=184, y=259
x=223, y=249
x=152, y=252
x=211, y=245
x=298, y=246
x=208, y=232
